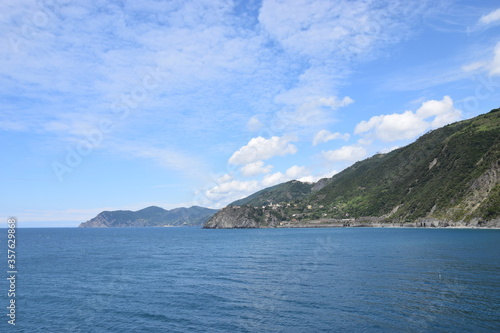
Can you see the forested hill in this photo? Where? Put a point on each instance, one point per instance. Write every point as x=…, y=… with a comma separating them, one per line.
x=449, y=174
x=152, y=217
x=289, y=191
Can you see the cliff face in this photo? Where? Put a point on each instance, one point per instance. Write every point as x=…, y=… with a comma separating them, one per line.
x=450, y=177
x=242, y=217
x=151, y=217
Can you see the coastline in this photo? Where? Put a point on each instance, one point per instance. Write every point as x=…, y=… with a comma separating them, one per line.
x=428, y=224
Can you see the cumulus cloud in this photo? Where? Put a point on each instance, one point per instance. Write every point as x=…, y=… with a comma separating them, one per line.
x=345, y=154
x=228, y=189
x=443, y=112
x=408, y=125
x=491, y=17
x=273, y=179
x=325, y=136
x=255, y=168
x=394, y=126
x=224, y=192
x=296, y=172
x=260, y=148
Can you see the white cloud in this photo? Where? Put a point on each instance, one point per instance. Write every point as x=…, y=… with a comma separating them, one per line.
x=365, y=142
x=254, y=124
x=273, y=179
x=345, y=154
x=223, y=193
x=495, y=63
x=255, y=168
x=491, y=17
x=225, y=178
x=473, y=66
x=333, y=102
x=260, y=148
x=226, y=192
x=234, y=186
x=329, y=36
x=388, y=150
x=394, y=126
x=325, y=136
x=168, y=158
x=443, y=111
x=304, y=111
x=315, y=178
x=68, y=73
x=345, y=28
x=408, y=125
x=296, y=172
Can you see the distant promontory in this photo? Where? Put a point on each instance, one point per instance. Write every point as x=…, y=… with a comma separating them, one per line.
x=152, y=217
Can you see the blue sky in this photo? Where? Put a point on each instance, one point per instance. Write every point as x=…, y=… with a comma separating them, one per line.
x=111, y=105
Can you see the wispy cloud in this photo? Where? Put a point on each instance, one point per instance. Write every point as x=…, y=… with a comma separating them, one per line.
x=491, y=17
x=183, y=82
x=184, y=163
x=71, y=75
x=325, y=136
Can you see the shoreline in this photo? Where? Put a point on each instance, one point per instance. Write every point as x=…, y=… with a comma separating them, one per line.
x=370, y=226
x=416, y=225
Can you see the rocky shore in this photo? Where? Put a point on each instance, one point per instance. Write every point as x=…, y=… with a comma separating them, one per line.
x=495, y=224
x=248, y=217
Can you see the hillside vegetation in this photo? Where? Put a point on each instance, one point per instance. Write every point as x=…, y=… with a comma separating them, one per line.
x=289, y=191
x=152, y=217
x=449, y=174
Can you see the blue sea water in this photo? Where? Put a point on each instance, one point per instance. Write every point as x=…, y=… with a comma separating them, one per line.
x=263, y=280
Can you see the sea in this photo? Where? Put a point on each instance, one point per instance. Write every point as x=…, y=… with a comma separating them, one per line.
x=253, y=280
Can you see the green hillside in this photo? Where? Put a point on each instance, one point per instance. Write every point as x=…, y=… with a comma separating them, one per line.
x=151, y=217
x=449, y=174
x=289, y=191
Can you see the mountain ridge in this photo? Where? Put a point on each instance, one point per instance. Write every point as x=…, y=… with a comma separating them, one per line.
x=151, y=216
